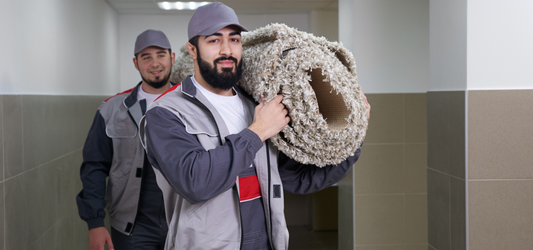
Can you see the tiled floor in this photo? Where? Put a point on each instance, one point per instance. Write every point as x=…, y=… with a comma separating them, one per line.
x=301, y=238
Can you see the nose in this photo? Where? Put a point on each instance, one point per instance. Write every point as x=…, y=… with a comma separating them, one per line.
x=225, y=49
x=155, y=63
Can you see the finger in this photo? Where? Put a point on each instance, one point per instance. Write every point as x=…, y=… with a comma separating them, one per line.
x=278, y=98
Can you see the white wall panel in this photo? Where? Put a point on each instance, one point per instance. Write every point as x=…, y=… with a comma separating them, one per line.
x=58, y=47
x=390, y=43
x=500, y=38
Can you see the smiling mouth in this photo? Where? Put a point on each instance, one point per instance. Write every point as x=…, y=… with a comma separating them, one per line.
x=226, y=63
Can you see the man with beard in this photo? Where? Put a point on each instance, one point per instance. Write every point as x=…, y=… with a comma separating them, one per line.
x=222, y=179
x=113, y=149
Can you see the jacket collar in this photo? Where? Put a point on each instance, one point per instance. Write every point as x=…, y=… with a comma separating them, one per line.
x=187, y=87
x=132, y=97
x=136, y=108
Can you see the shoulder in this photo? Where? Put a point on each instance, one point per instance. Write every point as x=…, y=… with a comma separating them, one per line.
x=171, y=89
x=118, y=96
x=114, y=103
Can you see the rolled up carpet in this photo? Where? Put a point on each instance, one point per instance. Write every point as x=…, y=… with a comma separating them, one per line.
x=318, y=81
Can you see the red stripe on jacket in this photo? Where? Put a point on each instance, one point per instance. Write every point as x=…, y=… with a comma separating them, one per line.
x=249, y=188
x=168, y=90
x=121, y=93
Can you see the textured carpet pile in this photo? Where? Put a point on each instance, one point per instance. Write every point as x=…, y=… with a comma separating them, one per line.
x=318, y=80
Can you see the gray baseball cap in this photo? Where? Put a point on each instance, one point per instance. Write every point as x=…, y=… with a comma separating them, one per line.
x=212, y=17
x=151, y=38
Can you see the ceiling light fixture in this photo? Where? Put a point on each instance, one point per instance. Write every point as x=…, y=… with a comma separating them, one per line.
x=181, y=5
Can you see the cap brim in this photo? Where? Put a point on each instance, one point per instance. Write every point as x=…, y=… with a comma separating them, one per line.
x=211, y=30
x=150, y=45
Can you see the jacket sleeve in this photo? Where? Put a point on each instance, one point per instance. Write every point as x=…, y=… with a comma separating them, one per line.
x=303, y=179
x=194, y=173
x=97, y=158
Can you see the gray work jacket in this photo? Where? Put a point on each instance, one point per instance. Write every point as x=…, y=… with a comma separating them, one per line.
x=215, y=223
x=197, y=163
x=113, y=150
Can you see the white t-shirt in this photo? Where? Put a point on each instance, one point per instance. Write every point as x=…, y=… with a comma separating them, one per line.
x=149, y=97
x=230, y=108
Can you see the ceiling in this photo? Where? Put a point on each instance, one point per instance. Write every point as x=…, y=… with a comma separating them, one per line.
x=240, y=6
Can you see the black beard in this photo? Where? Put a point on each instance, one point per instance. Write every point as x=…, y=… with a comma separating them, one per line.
x=157, y=84
x=224, y=80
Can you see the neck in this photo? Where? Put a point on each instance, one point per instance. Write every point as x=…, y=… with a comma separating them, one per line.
x=151, y=90
x=198, y=77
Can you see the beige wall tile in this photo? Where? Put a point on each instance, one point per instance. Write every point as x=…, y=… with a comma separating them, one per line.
x=382, y=247
x=416, y=168
x=44, y=122
x=380, y=170
x=12, y=127
x=79, y=112
x=417, y=247
x=386, y=123
x=1, y=141
x=346, y=212
x=456, y=133
x=415, y=118
x=457, y=214
x=416, y=219
x=22, y=224
x=379, y=219
x=500, y=214
x=500, y=137
x=446, y=132
x=437, y=132
x=2, y=216
x=438, y=210
x=40, y=199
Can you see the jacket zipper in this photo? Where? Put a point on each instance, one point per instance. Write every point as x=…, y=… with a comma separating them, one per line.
x=269, y=193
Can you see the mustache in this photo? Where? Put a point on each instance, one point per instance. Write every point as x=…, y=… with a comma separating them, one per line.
x=225, y=58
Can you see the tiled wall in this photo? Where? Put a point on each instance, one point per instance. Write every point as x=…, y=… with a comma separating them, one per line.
x=500, y=169
x=446, y=170
x=490, y=198
x=390, y=176
x=40, y=154
x=346, y=215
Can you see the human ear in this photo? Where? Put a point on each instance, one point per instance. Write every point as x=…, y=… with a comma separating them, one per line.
x=192, y=50
x=135, y=63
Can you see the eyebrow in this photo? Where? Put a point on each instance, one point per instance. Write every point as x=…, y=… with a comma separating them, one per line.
x=145, y=54
x=158, y=52
x=219, y=34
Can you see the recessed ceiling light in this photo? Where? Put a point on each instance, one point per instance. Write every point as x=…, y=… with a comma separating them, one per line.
x=180, y=5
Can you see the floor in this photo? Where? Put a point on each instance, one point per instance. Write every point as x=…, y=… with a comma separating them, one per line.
x=301, y=238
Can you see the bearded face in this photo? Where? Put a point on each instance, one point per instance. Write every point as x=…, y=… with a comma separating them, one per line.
x=154, y=65
x=157, y=82
x=220, y=78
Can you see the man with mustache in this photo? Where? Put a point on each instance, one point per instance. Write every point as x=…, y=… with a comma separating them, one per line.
x=222, y=179
x=113, y=150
